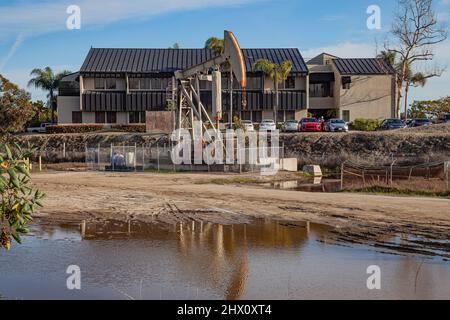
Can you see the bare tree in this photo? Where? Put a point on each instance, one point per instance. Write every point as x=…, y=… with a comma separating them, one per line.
x=416, y=31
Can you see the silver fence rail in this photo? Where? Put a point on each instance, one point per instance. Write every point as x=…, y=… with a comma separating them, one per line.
x=127, y=158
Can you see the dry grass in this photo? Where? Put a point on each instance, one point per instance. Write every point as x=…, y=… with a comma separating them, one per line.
x=417, y=186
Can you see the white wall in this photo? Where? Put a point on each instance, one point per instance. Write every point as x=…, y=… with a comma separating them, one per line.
x=66, y=105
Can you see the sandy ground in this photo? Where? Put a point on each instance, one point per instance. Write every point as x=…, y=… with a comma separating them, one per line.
x=422, y=224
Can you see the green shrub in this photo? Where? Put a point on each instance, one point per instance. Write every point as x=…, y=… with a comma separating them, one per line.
x=139, y=128
x=365, y=124
x=75, y=128
x=87, y=128
x=18, y=199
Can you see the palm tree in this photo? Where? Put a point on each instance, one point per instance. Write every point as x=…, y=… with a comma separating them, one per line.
x=215, y=44
x=278, y=72
x=415, y=80
x=389, y=56
x=47, y=80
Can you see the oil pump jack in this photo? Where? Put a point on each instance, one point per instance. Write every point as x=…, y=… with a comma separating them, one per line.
x=190, y=107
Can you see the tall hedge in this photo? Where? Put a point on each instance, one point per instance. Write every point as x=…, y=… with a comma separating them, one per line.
x=86, y=128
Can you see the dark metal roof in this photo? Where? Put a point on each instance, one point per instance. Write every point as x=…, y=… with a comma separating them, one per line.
x=71, y=77
x=170, y=60
x=363, y=66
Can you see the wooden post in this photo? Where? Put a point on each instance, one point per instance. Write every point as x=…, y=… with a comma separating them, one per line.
x=143, y=157
x=64, y=150
x=112, y=160
x=364, y=178
x=83, y=229
x=98, y=156
x=446, y=173
x=342, y=176
x=135, y=155
x=40, y=163
x=157, y=151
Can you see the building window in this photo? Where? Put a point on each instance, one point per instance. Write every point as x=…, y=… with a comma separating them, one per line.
x=142, y=117
x=156, y=84
x=100, y=117
x=254, y=83
x=346, y=115
x=290, y=115
x=133, y=83
x=133, y=117
x=77, y=117
x=99, y=84
x=105, y=84
x=289, y=84
x=320, y=90
x=225, y=82
x=111, y=117
x=111, y=84
x=346, y=82
x=164, y=83
x=136, y=117
x=280, y=116
x=145, y=84
x=257, y=116
x=246, y=115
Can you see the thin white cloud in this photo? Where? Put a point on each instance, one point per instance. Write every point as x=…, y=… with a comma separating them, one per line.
x=50, y=16
x=12, y=51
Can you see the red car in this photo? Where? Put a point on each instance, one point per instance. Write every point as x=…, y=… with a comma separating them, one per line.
x=310, y=125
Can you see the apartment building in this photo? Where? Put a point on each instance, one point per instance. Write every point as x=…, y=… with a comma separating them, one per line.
x=118, y=86
x=351, y=88
x=121, y=85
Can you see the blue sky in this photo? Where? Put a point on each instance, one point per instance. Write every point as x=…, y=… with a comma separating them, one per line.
x=33, y=33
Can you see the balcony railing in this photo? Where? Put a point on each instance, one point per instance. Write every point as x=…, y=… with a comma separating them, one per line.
x=156, y=100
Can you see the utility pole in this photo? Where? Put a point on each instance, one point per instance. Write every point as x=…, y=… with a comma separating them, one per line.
x=275, y=109
x=231, y=100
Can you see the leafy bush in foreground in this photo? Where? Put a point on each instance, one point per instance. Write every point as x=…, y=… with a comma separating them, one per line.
x=18, y=199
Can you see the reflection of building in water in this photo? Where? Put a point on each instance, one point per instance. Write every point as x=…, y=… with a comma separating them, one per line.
x=212, y=256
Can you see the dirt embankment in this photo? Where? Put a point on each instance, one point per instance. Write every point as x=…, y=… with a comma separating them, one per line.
x=418, y=145
x=327, y=149
x=172, y=198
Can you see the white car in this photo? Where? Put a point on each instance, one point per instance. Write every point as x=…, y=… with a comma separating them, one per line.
x=248, y=125
x=267, y=125
x=41, y=129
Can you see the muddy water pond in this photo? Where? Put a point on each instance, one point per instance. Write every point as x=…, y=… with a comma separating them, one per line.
x=262, y=260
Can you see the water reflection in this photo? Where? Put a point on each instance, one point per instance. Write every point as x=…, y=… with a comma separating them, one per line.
x=219, y=251
x=261, y=260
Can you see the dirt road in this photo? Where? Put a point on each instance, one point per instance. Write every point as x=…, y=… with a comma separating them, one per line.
x=424, y=223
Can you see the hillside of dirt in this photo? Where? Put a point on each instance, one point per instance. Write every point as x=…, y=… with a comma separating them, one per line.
x=417, y=145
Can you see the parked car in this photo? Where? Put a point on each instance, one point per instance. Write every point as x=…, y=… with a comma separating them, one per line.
x=41, y=129
x=267, y=125
x=336, y=125
x=392, y=124
x=420, y=123
x=446, y=118
x=310, y=125
x=290, y=126
x=248, y=125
